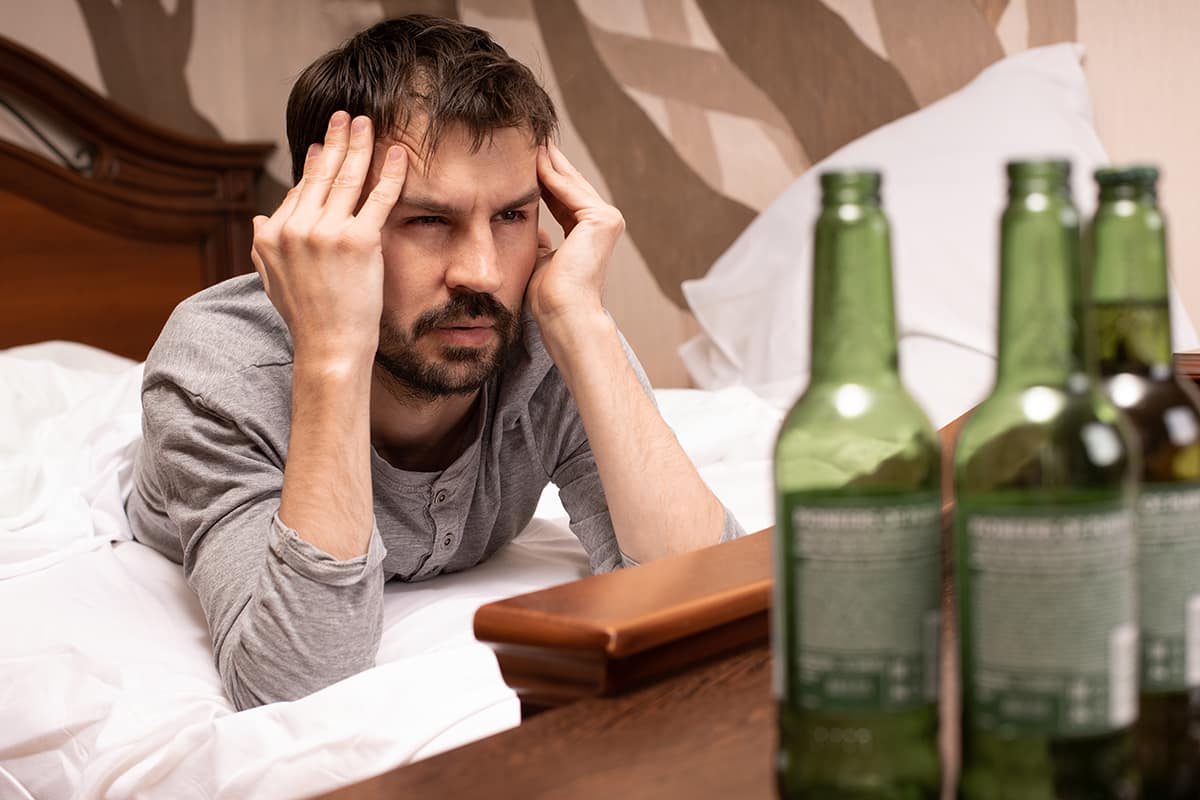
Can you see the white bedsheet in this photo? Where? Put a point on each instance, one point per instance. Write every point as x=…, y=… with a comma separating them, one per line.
x=107, y=686
x=69, y=421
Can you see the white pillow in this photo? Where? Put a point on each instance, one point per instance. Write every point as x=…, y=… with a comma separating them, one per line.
x=943, y=189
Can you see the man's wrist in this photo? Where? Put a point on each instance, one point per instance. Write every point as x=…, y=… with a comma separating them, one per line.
x=569, y=333
x=328, y=361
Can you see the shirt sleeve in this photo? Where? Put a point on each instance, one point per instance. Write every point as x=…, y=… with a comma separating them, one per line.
x=286, y=618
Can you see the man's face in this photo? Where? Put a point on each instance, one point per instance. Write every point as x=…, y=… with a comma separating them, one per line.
x=458, y=250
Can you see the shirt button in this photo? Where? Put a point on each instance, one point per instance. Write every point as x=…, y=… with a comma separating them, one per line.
x=440, y=497
x=446, y=542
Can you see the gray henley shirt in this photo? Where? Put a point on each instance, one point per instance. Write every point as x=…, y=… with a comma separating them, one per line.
x=287, y=619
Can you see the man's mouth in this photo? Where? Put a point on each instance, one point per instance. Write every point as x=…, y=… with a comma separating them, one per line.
x=472, y=323
x=467, y=333
x=468, y=324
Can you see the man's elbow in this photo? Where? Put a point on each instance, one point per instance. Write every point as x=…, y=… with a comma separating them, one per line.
x=248, y=686
x=251, y=681
x=243, y=693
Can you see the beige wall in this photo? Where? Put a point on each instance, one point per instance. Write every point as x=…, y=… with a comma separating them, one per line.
x=692, y=116
x=1143, y=65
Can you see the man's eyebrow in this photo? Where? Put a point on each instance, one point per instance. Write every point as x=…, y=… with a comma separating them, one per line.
x=428, y=204
x=533, y=194
x=442, y=209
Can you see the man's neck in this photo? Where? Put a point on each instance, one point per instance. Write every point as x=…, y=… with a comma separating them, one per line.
x=420, y=434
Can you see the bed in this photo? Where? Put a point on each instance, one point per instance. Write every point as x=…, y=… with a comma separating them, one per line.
x=107, y=687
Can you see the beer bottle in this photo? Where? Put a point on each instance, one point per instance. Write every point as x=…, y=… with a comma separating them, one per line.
x=857, y=561
x=1045, y=549
x=1132, y=325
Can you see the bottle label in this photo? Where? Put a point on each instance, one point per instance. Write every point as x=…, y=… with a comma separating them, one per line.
x=1053, y=627
x=866, y=619
x=1169, y=581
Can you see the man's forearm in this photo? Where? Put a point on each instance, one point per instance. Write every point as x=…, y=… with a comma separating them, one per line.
x=310, y=622
x=320, y=258
x=658, y=503
x=327, y=496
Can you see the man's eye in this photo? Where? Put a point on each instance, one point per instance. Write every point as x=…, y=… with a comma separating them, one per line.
x=425, y=220
x=512, y=215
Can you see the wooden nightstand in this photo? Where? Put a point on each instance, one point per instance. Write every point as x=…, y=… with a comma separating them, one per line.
x=1187, y=364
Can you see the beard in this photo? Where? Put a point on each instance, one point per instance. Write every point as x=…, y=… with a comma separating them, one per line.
x=456, y=370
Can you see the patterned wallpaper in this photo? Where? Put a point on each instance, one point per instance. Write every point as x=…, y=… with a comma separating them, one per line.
x=692, y=115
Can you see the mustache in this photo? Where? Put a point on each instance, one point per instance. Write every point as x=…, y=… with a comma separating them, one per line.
x=464, y=304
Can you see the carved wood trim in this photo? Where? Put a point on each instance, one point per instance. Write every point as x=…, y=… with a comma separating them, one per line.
x=144, y=181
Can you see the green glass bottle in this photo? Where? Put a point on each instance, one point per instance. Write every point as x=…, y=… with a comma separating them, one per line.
x=858, y=553
x=1132, y=324
x=1045, y=549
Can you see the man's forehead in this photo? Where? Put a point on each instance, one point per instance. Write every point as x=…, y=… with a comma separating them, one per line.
x=412, y=139
x=456, y=145
x=456, y=173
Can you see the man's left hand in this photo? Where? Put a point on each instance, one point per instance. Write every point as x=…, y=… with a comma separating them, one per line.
x=570, y=280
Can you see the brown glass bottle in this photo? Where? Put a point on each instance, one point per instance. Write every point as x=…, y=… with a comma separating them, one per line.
x=1132, y=337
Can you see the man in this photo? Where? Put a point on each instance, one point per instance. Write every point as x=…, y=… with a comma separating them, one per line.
x=408, y=369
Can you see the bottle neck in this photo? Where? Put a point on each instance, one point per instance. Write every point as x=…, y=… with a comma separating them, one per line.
x=1131, y=316
x=853, y=319
x=1041, y=325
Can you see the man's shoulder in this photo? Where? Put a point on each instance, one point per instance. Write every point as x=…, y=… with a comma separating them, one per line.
x=216, y=334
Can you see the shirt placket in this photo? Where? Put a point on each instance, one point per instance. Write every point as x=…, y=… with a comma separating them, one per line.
x=446, y=531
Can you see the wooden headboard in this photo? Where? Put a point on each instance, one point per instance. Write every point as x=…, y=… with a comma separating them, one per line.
x=98, y=245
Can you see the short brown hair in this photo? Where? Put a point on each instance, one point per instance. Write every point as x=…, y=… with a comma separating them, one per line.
x=439, y=69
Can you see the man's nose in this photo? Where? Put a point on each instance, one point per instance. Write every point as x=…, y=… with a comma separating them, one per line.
x=477, y=264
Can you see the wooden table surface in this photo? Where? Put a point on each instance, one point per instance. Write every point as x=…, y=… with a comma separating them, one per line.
x=709, y=732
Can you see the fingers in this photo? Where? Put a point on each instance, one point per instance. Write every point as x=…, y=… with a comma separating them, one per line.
x=545, y=244
x=260, y=266
x=561, y=213
x=268, y=226
x=347, y=187
x=322, y=166
x=267, y=229
x=568, y=195
x=566, y=182
x=383, y=197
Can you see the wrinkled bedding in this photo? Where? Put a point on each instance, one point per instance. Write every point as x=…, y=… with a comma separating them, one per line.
x=107, y=686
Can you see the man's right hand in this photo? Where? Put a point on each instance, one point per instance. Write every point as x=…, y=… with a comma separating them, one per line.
x=321, y=263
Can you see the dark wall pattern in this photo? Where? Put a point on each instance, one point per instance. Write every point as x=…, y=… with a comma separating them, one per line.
x=143, y=51
x=676, y=220
x=809, y=72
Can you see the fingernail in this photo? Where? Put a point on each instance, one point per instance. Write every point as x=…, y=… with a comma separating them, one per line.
x=394, y=154
x=361, y=124
x=339, y=119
